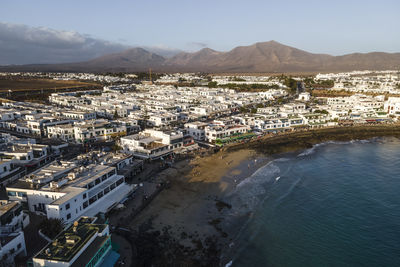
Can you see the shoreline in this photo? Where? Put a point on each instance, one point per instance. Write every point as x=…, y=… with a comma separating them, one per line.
x=292, y=141
x=186, y=219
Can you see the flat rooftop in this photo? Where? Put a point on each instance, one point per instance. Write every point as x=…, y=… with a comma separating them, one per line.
x=6, y=207
x=141, y=138
x=54, y=168
x=21, y=184
x=198, y=123
x=89, y=174
x=70, y=193
x=8, y=238
x=70, y=241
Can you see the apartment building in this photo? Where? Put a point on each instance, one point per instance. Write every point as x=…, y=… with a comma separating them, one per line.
x=64, y=191
x=84, y=243
x=160, y=119
x=196, y=130
x=87, y=131
x=12, y=239
x=392, y=106
x=27, y=155
x=152, y=144
x=79, y=115
x=214, y=132
x=6, y=114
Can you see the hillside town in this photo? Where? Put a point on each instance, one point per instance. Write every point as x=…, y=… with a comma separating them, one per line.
x=78, y=157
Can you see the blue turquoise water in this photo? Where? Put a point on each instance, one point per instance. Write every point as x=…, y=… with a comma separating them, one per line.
x=337, y=204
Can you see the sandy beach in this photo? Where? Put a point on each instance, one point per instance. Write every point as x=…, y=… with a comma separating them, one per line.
x=182, y=226
x=193, y=200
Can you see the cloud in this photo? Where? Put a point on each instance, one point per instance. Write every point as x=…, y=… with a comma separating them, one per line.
x=162, y=50
x=21, y=44
x=198, y=45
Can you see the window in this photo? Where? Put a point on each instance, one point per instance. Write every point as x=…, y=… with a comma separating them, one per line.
x=21, y=194
x=68, y=216
x=19, y=246
x=84, y=196
x=120, y=181
x=67, y=206
x=11, y=193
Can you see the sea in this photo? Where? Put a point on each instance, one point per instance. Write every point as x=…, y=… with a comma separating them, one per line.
x=336, y=204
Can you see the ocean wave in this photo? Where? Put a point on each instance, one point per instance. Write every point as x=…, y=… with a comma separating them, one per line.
x=261, y=175
x=264, y=186
x=307, y=152
x=245, y=199
x=288, y=192
x=311, y=150
x=250, y=191
x=281, y=160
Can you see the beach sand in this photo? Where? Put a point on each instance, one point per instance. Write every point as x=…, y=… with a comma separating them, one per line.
x=187, y=215
x=197, y=186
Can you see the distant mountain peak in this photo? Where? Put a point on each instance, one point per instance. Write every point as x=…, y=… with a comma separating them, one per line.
x=206, y=49
x=261, y=57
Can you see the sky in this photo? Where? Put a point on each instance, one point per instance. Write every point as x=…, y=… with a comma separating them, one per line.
x=71, y=30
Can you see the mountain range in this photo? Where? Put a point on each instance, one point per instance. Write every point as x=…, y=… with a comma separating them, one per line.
x=263, y=57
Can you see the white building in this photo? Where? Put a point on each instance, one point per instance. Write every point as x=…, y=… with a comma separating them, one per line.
x=392, y=106
x=79, y=115
x=12, y=240
x=26, y=154
x=221, y=131
x=6, y=115
x=162, y=119
x=152, y=143
x=84, y=243
x=9, y=171
x=65, y=192
x=196, y=130
x=63, y=131
x=305, y=96
x=97, y=130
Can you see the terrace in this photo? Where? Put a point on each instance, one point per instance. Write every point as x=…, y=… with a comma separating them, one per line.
x=71, y=241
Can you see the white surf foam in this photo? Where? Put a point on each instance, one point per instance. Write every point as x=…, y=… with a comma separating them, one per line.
x=307, y=152
x=310, y=151
x=281, y=160
x=250, y=191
